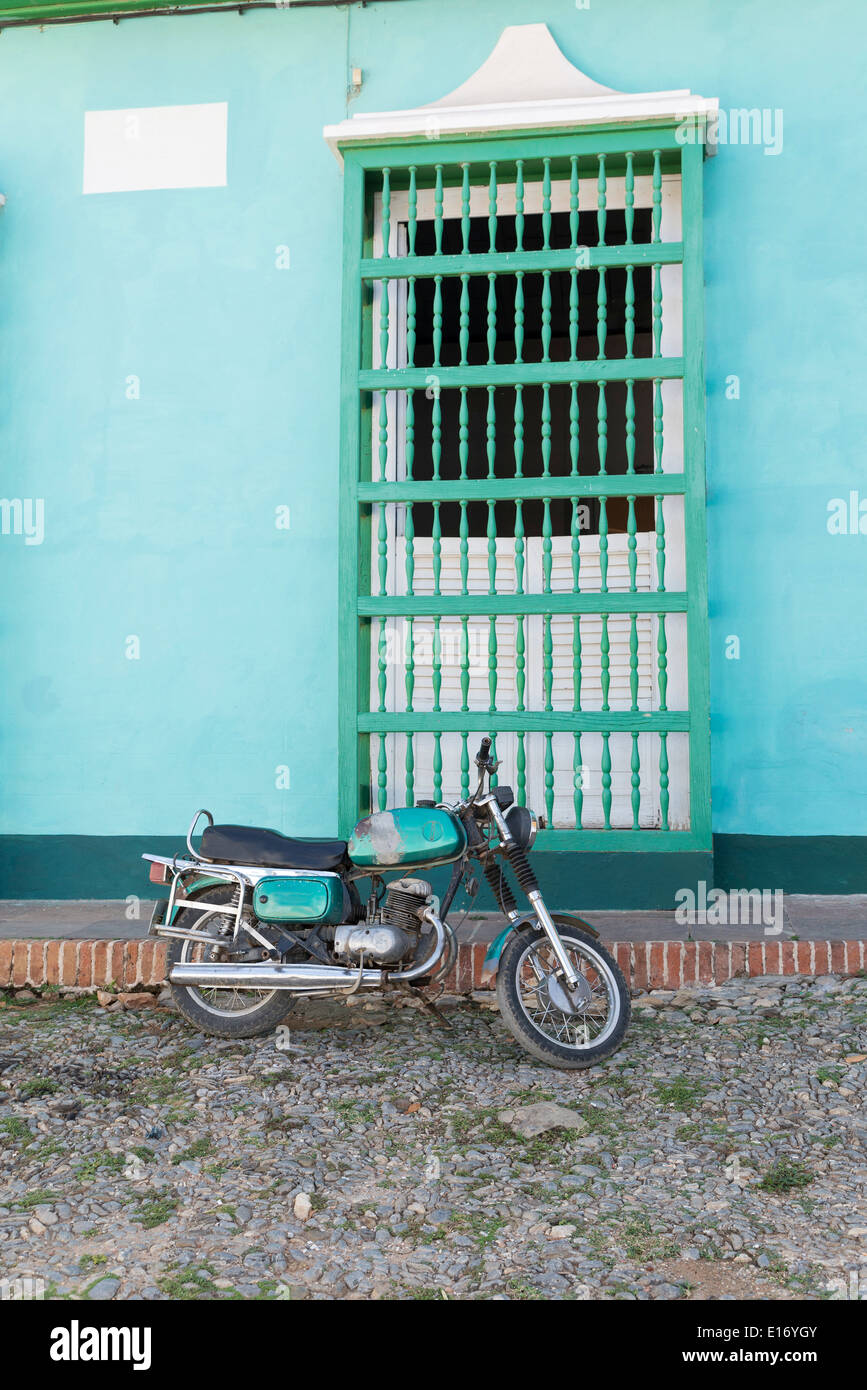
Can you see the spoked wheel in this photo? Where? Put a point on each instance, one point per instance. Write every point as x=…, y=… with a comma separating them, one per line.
x=569, y=1028
x=224, y=1013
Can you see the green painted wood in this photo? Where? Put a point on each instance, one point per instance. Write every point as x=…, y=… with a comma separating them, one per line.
x=614, y=152
x=662, y=662
x=658, y=437
x=521, y=764
x=437, y=661
x=464, y=547
x=663, y=780
x=502, y=489
x=656, y=216
x=410, y=770
x=492, y=317
x=436, y=447
x=601, y=315
x=606, y=780
x=657, y=311
x=615, y=138
x=438, y=767
x=465, y=663
x=452, y=605
x=464, y=329
x=547, y=663
x=409, y=435
x=409, y=670
x=519, y=430
x=438, y=210
x=531, y=262
x=574, y=184
x=519, y=205
x=519, y=373
x=549, y=778
x=602, y=427
x=547, y=534
x=519, y=545
x=410, y=323
x=437, y=333
x=465, y=768
x=698, y=672
x=660, y=546
x=603, y=543
x=412, y=210
x=436, y=548
x=629, y=197
x=605, y=676
x=636, y=783
x=629, y=330
x=409, y=537
x=465, y=209
x=633, y=662
x=575, y=546
x=512, y=721
x=574, y=300
x=519, y=317
x=386, y=210
x=353, y=667
x=520, y=662
x=630, y=425
x=546, y=203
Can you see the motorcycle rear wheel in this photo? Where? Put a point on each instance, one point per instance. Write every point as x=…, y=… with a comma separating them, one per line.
x=527, y=993
x=222, y=1013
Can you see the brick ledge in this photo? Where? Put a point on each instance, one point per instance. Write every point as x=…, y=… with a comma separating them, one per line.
x=139, y=963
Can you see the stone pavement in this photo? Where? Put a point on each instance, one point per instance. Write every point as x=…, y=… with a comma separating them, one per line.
x=721, y=1153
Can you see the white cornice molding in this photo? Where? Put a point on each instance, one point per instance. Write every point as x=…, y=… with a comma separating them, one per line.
x=526, y=83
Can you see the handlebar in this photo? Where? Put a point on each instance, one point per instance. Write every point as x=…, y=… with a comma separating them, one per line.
x=483, y=753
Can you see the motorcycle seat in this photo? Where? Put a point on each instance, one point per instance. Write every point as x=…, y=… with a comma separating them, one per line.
x=249, y=844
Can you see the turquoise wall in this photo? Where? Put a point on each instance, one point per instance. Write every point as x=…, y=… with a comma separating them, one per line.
x=159, y=512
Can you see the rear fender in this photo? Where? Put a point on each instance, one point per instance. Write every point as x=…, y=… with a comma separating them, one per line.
x=199, y=884
x=491, y=963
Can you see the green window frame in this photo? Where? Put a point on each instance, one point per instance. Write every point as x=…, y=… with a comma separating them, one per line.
x=368, y=377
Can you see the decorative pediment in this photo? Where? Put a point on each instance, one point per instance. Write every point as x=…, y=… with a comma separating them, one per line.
x=527, y=83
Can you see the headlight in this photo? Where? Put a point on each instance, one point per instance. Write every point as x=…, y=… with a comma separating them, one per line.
x=522, y=824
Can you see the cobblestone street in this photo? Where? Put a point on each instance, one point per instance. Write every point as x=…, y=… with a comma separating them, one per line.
x=720, y=1153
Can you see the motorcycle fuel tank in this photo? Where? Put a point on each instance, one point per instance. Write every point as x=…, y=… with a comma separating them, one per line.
x=410, y=835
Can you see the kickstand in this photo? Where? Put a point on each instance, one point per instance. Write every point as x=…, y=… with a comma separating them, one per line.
x=429, y=1006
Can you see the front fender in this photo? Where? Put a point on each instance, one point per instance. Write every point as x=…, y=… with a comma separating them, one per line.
x=491, y=963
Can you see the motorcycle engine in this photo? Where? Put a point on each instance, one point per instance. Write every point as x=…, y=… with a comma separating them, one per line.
x=395, y=933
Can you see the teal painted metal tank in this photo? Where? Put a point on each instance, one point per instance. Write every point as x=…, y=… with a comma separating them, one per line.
x=411, y=835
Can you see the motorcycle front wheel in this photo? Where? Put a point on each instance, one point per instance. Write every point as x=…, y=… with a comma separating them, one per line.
x=568, y=1028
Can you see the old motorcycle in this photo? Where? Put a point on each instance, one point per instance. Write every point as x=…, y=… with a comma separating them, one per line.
x=256, y=919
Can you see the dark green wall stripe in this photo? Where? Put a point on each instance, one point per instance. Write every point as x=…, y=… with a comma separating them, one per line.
x=110, y=866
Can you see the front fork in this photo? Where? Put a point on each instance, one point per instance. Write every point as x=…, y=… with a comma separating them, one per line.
x=537, y=902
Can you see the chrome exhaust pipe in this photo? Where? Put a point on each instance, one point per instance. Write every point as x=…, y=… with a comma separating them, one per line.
x=299, y=979
x=305, y=978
